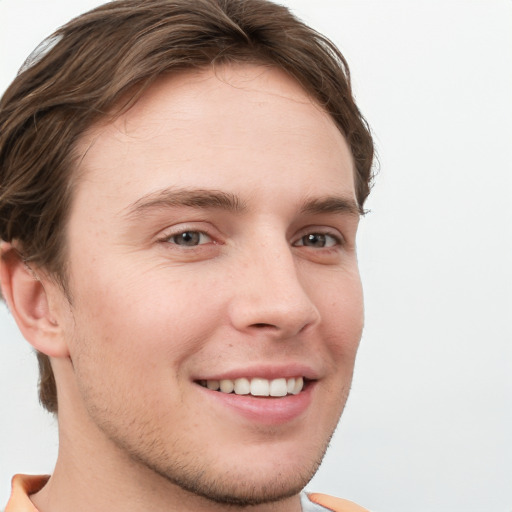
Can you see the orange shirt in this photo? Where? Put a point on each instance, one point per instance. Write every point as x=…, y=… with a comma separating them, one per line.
x=24, y=485
x=332, y=503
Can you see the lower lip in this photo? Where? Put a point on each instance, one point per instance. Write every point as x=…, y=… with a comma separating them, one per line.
x=265, y=410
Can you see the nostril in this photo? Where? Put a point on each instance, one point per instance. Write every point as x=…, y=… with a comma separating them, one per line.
x=262, y=325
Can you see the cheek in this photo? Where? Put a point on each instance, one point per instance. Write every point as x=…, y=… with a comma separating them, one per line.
x=145, y=320
x=343, y=319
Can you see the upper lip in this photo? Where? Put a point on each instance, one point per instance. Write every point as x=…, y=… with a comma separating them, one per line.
x=266, y=371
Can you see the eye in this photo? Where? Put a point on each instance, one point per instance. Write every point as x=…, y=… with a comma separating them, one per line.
x=189, y=238
x=317, y=241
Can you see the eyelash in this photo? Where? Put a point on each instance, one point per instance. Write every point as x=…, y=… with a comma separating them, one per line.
x=336, y=239
x=186, y=232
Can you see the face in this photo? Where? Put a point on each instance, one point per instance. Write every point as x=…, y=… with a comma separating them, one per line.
x=212, y=245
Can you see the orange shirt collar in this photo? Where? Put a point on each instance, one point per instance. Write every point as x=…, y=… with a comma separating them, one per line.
x=22, y=487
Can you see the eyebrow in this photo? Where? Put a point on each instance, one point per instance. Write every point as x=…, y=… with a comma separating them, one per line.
x=194, y=198
x=217, y=199
x=332, y=204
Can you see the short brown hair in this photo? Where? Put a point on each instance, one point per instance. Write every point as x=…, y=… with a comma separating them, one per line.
x=77, y=76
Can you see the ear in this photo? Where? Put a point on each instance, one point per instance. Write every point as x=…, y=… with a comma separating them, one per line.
x=32, y=299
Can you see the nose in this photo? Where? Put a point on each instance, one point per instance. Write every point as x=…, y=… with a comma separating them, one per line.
x=270, y=297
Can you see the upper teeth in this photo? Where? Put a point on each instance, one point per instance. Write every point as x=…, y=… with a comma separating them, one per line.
x=257, y=386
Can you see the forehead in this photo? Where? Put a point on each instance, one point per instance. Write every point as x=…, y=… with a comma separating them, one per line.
x=235, y=126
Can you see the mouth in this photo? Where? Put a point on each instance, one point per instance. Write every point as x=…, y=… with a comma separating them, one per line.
x=256, y=386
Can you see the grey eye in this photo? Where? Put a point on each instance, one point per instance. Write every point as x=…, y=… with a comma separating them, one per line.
x=189, y=238
x=317, y=240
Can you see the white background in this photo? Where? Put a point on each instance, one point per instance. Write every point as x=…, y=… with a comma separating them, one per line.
x=428, y=426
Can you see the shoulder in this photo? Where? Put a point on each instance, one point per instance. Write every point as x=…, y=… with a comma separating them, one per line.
x=335, y=504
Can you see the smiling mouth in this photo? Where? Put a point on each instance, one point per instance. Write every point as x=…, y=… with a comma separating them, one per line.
x=256, y=386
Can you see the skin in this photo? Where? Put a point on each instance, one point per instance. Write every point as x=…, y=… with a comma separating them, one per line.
x=252, y=294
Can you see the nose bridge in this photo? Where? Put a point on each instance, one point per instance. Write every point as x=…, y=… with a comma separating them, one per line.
x=271, y=294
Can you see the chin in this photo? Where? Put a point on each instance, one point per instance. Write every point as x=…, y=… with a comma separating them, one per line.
x=262, y=475
x=245, y=490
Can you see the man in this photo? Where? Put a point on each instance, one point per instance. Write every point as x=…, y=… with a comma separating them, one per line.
x=181, y=184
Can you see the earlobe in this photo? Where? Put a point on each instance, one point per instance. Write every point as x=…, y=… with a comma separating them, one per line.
x=27, y=296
